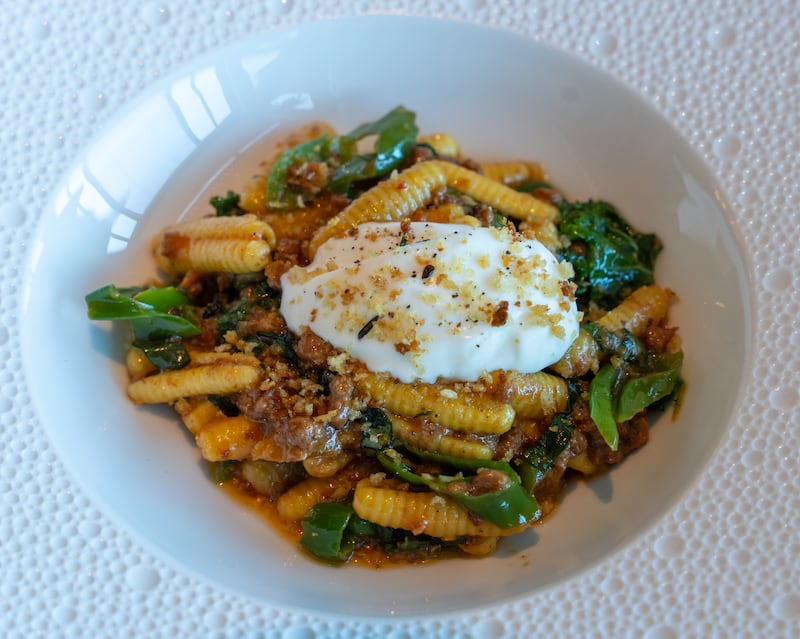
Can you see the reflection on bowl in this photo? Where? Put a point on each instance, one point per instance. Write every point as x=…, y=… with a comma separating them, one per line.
x=205, y=130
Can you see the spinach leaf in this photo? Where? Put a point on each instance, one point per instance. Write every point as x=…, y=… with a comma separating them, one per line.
x=539, y=458
x=165, y=355
x=228, y=205
x=610, y=258
x=376, y=429
x=285, y=344
x=249, y=296
x=395, y=136
x=157, y=316
x=622, y=343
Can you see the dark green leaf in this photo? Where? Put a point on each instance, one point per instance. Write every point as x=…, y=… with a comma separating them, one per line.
x=539, y=458
x=532, y=185
x=165, y=355
x=226, y=206
x=622, y=343
x=640, y=392
x=285, y=344
x=376, y=429
x=250, y=295
x=396, y=134
x=225, y=404
x=610, y=258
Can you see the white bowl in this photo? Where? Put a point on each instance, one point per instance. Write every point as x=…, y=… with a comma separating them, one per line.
x=204, y=130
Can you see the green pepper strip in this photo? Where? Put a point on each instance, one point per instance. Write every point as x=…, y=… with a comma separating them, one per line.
x=395, y=135
x=508, y=507
x=316, y=150
x=146, y=309
x=638, y=393
x=324, y=531
x=601, y=404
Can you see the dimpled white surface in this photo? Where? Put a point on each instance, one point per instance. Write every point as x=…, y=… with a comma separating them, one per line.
x=724, y=562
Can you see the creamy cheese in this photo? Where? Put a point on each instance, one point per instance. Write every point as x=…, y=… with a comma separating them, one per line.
x=424, y=301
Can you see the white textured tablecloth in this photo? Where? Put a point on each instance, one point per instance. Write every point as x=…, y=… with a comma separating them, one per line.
x=726, y=74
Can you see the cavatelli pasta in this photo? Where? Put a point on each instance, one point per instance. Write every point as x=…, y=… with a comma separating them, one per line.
x=468, y=412
x=210, y=374
x=512, y=173
x=228, y=438
x=443, y=144
x=235, y=244
x=435, y=438
x=419, y=512
x=390, y=200
x=646, y=305
x=535, y=395
x=581, y=357
x=503, y=198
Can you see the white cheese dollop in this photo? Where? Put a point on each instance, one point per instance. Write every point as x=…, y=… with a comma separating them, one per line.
x=427, y=301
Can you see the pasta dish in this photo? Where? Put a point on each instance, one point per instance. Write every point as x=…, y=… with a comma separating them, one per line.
x=398, y=351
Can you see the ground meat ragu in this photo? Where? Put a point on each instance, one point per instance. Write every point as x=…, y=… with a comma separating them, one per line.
x=313, y=350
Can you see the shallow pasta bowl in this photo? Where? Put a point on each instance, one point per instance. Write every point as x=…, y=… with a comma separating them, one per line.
x=205, y=129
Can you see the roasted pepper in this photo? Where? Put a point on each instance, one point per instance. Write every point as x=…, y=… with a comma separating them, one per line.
x=509, y=506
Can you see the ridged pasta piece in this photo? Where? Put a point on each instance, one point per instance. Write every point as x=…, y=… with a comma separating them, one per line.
x=219, y=377
x=467, y=412
x=297, y=224
x=581, y=357
x=438, y=440
x=389, y=200
x=295, y=503
x=197, y=413
x=444, y=213
x=420, y=512
x=479, y=546
x=236, y=244
x=513, y=203
x=545, y=232
x=647, y=305
x=137, y=363
x=222, y=357
x=223, y=255
x=513, y=172
x=535, y=395
x=582, y=464
x=444, y=144
x=228, y=438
